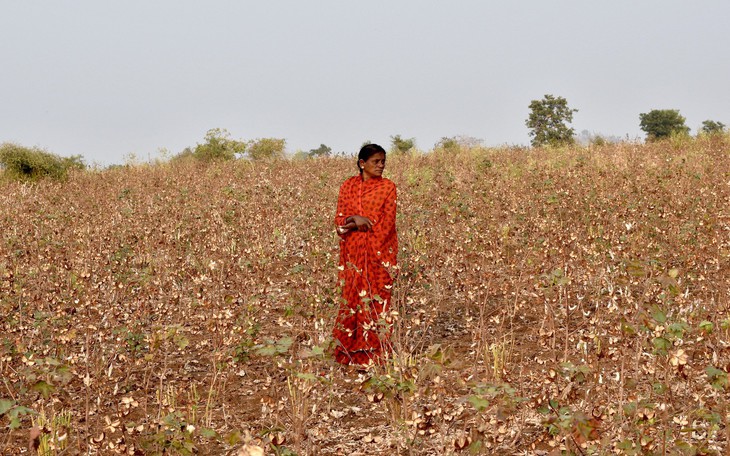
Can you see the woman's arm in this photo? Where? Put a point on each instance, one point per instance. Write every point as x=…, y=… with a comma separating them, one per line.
x=345, y=220
x=346, y=228
x=361, y=223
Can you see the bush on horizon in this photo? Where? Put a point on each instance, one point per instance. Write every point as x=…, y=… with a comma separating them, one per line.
x=218, y=145
x=400, y=145
x=266, y=149
x=32, y=163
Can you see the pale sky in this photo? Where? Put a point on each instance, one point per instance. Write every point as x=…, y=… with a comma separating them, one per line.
x=105, y=79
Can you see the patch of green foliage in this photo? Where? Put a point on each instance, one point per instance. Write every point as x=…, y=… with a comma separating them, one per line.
x=712, y=127
x=662, y=123
x=548, y=122
x=29, y=164
x=218, y=145
x=266, y=149
x=401, y=145
x=321, y=151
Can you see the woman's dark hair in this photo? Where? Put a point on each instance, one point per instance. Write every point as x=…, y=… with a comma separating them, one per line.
x=367, y=151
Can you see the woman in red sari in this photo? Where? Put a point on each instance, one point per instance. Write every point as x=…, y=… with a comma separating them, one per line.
x=365, y=222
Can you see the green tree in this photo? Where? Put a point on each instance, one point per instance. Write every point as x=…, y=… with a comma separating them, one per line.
x=548, y=122
x=218, y=145
x=266, y=149
x=399, y=144
x=662, y=123
x=711, y=127
x=321, y=151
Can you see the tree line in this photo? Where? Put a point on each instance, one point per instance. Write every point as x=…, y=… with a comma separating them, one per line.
x=550, y=117
x=548, y=123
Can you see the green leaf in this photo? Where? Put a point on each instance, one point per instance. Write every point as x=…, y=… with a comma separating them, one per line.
x=630, y=408
x=233, y=438
x=272, y=348
x=208, y=433
x=717, y=377
x=627, y=328
x=714, y=372
x=314, y=352
x=63, y=375
x=661, y=344
x=706, y=326
x=266, y=350
x=553, y=429
x=16, y=413
x=5, y=405
x=52, y=362
x=283, y=344
x=181, y=341
x=659, y=315
x=284, y=451
x=475, y=447
x=479, y=403
x=625, y=445
x=659, y=388
x=44, y=388
x=307, y=376
x=677, y=329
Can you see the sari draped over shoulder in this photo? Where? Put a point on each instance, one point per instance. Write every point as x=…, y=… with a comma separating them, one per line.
x=367, y=267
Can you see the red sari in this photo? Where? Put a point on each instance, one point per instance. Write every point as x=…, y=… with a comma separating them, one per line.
x=367, y=269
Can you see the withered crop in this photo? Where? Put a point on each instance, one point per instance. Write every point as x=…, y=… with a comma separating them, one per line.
x=564, y=299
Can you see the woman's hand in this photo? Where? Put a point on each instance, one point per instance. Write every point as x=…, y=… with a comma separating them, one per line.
x=346, y=228
x=361, y=223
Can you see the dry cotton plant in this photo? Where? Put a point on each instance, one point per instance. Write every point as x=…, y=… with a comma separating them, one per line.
x=569, y=300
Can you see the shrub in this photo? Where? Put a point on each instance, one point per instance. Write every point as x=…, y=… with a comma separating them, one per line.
x=26, y=163
x=455, y=143
x=301, y=155
x=401, y=145
x=266, y=148
x=218, y=146
x=449, y=144
x=185, y=154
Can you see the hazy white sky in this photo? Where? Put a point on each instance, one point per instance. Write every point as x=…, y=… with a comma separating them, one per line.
x=105, y=79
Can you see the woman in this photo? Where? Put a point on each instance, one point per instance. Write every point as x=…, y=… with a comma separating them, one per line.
x=365, y=223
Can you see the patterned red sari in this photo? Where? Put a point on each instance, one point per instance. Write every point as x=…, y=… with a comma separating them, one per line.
x=367, y=268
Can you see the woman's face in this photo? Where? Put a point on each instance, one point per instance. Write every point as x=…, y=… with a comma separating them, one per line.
x=373, y=166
